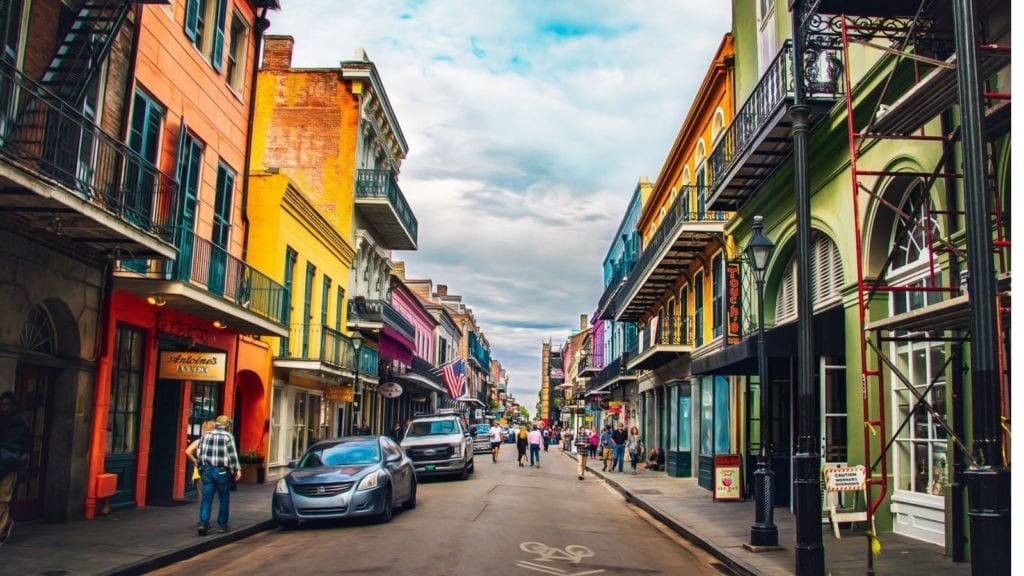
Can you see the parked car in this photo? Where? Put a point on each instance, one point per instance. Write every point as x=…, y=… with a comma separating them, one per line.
x=440, y=444
x=348, y=477
x=482, y=439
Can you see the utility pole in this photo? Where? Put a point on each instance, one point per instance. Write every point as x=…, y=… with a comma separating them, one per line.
x=988, y=481
x=809, y=553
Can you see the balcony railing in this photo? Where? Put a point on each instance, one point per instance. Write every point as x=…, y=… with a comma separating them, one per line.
x=674, y=331
x=823, y=71
x=335, y=348
x=202, y=263
x=667, y=233
x=43, y=134
x=381, y=184
x=612, y=371
x=362, y=311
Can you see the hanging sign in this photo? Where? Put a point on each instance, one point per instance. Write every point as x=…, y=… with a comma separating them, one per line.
x=339, y=393
x=205, y=366
x=727, y=477
x=733, y=304
x=390, y=390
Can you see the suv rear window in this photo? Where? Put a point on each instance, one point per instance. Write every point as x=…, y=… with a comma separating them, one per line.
x=433, y=428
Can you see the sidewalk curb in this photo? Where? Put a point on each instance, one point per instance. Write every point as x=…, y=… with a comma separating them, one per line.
x=205, y=544
x=738, y=568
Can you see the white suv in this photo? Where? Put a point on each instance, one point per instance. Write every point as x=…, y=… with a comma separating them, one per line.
x=440, y=444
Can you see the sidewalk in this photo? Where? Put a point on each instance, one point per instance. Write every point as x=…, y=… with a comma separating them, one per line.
x=722, y=528
x=136, y=541
x=129, y=541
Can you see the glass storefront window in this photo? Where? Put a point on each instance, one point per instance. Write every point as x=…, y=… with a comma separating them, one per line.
x=685, y=426
x=707, y=415
x=723, y=407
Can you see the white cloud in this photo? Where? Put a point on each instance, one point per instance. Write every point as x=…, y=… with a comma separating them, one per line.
x=529, y=123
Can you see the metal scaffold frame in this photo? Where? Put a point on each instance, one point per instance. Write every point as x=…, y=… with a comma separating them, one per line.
x=914, y=44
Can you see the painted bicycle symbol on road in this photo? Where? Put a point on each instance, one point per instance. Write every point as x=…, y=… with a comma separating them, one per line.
x=571, y=554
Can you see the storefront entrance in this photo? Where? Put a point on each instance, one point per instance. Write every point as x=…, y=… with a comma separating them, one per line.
x=32, y=394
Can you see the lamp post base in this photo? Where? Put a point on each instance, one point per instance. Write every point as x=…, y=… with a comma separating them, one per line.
x=764, y=533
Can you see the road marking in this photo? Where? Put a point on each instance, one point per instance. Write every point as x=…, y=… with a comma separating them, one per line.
x=572, y=554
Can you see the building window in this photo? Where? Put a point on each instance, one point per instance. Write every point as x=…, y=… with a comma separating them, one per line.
x=144, y=140
x=698, y=308
x=307, y=418
x=323, y=312
x=190, y=161
x=307, y=308
x=204, y=26
x=221, y=229
x=290, y=257
x=235, y=71
x=826, y=279
x=127, y=374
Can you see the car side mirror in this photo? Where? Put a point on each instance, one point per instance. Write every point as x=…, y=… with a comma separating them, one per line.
x=293, y=463
x=392, y=458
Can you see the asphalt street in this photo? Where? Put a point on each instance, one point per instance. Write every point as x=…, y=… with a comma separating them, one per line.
x=503, y=520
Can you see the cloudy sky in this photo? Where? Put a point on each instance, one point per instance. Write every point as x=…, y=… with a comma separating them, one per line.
x=529, y=123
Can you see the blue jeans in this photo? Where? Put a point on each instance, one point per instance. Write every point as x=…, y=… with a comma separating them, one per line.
x=618, y=455
x=215, y=480
x=534, y=453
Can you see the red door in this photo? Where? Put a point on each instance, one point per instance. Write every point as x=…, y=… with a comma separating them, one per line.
x=33, y=397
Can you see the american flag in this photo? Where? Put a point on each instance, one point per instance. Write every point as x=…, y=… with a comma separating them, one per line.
x=455, y=379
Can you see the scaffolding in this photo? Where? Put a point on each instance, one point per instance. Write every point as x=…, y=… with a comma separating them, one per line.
x=912, y=102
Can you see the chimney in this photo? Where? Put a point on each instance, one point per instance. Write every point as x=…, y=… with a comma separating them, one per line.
x=277, y=52
x=442, y=289
x=398, y=270
x=583, y=321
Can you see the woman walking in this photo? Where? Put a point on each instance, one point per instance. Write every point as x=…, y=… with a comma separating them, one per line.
x=594, y=439
x=521, y=443
x=635, y=447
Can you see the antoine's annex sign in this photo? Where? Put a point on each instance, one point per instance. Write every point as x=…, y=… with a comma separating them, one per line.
x=207, y=366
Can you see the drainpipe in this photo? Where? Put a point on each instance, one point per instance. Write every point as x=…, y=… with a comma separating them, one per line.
x=261, y=26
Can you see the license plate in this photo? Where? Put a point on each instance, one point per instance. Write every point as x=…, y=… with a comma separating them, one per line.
x=429, y=468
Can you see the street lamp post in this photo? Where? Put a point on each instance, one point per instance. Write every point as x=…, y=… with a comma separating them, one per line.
x=357, y=343
x=763, y=532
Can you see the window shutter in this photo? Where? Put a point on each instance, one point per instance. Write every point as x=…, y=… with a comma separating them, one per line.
x=191, y=18
x=217, y=55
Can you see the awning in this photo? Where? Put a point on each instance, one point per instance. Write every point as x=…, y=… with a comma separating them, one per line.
x=422, y=381
x=472, y=401
x=779, y=342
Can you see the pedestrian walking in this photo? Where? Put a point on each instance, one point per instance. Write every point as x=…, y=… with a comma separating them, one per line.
x=594, y=440
x=635, y=448
x=606, y=444
x=190, y=452
x=535, y=439
x=15, y=440
x=496, y=435
x=521, y=444
x=619, y=437
x=547, y=438
x=218, y=460
x=582, y=449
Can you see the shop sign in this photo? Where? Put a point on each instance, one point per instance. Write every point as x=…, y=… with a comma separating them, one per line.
x=206, y=366
x=733, y=303
x=727, y=477
x=339, y=393
x=844, y=479
x=390, y=390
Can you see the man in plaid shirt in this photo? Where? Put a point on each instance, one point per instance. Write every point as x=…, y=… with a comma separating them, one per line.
x=217, y=457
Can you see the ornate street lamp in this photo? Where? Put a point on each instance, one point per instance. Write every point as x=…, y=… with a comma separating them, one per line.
x=357, y=342
x=763, y=532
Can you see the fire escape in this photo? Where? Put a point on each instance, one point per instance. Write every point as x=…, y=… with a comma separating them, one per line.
x=65, y=180
x=913, y=103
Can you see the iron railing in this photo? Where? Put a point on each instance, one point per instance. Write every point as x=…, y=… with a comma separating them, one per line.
x=202, y=263
x=382, y=184
x=380, y=312
x=43, y=134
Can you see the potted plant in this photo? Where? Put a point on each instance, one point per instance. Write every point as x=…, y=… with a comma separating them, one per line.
x=253, y=471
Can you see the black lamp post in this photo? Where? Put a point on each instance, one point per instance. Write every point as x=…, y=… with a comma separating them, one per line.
x=357, y=342
x=763, y=532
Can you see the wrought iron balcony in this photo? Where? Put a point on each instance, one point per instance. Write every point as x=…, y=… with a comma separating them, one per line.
x=326, y=348
x=611, y=289
x=478, y=353
x=758, y=141
x=677, y=242
x=71, y=185
x=208, y=282
x=380, y=199
x=611, y=373
x=664, y=343
x=373, y=315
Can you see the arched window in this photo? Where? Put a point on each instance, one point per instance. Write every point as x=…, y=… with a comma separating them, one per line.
x=826, y=279
x=38, y=333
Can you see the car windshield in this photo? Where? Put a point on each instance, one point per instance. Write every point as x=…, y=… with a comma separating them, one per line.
x=433, y=428
x=344, y=454
x=483, y=429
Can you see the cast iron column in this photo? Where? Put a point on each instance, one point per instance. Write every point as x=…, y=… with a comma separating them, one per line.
x=809, y=554
x=988, y=481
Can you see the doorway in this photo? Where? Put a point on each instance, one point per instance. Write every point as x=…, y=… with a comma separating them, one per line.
x=32, y=392
x=163, y=442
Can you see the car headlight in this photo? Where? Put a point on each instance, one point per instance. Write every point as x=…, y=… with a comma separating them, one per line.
x=282, y=487
x=369, y=481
